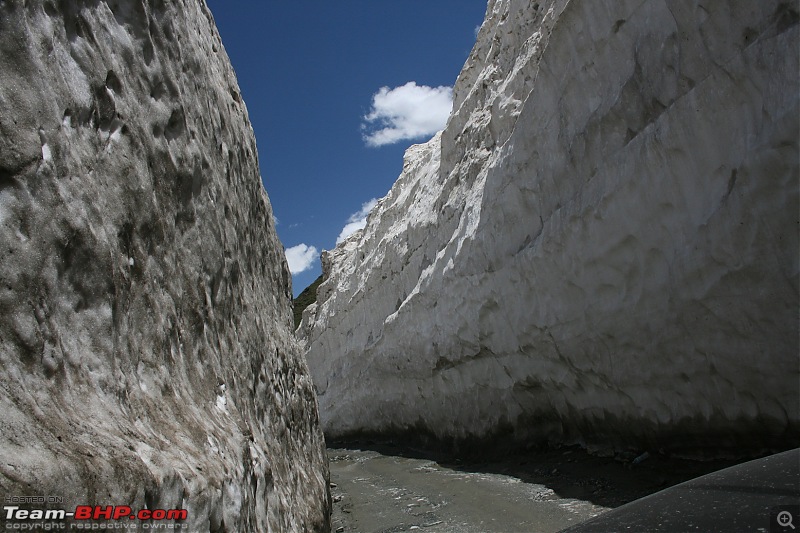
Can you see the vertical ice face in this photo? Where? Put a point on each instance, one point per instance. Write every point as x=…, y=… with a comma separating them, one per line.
x=601, y=247
x=145, y=324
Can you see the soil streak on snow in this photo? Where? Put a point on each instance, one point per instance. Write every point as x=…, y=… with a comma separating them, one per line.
x=396, y=490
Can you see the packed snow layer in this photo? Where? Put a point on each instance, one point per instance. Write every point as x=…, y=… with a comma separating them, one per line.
x=145, y=325
x=601, y=247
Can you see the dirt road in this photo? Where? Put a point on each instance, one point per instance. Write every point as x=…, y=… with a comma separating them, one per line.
x=380, y=493
x=387, y=488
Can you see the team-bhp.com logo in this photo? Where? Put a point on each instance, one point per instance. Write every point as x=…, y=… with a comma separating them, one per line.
x=94, y=517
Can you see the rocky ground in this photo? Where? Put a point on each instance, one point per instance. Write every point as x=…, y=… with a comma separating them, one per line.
x=383, y=488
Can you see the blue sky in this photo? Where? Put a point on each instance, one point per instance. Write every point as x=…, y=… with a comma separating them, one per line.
x=312, y=73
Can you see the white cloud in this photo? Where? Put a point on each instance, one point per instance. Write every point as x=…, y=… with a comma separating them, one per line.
x=477, y=30
x=300, y=258
x=357, y=220
x=406, y=112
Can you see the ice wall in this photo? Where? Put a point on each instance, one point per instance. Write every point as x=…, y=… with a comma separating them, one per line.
x=145, y=323
x=601, y=247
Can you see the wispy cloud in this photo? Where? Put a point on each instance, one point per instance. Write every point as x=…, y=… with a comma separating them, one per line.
x=357, y=220
x=301, y=258
x=407, y=112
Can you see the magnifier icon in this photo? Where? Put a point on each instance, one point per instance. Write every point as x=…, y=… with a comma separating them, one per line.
x=785, y=519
